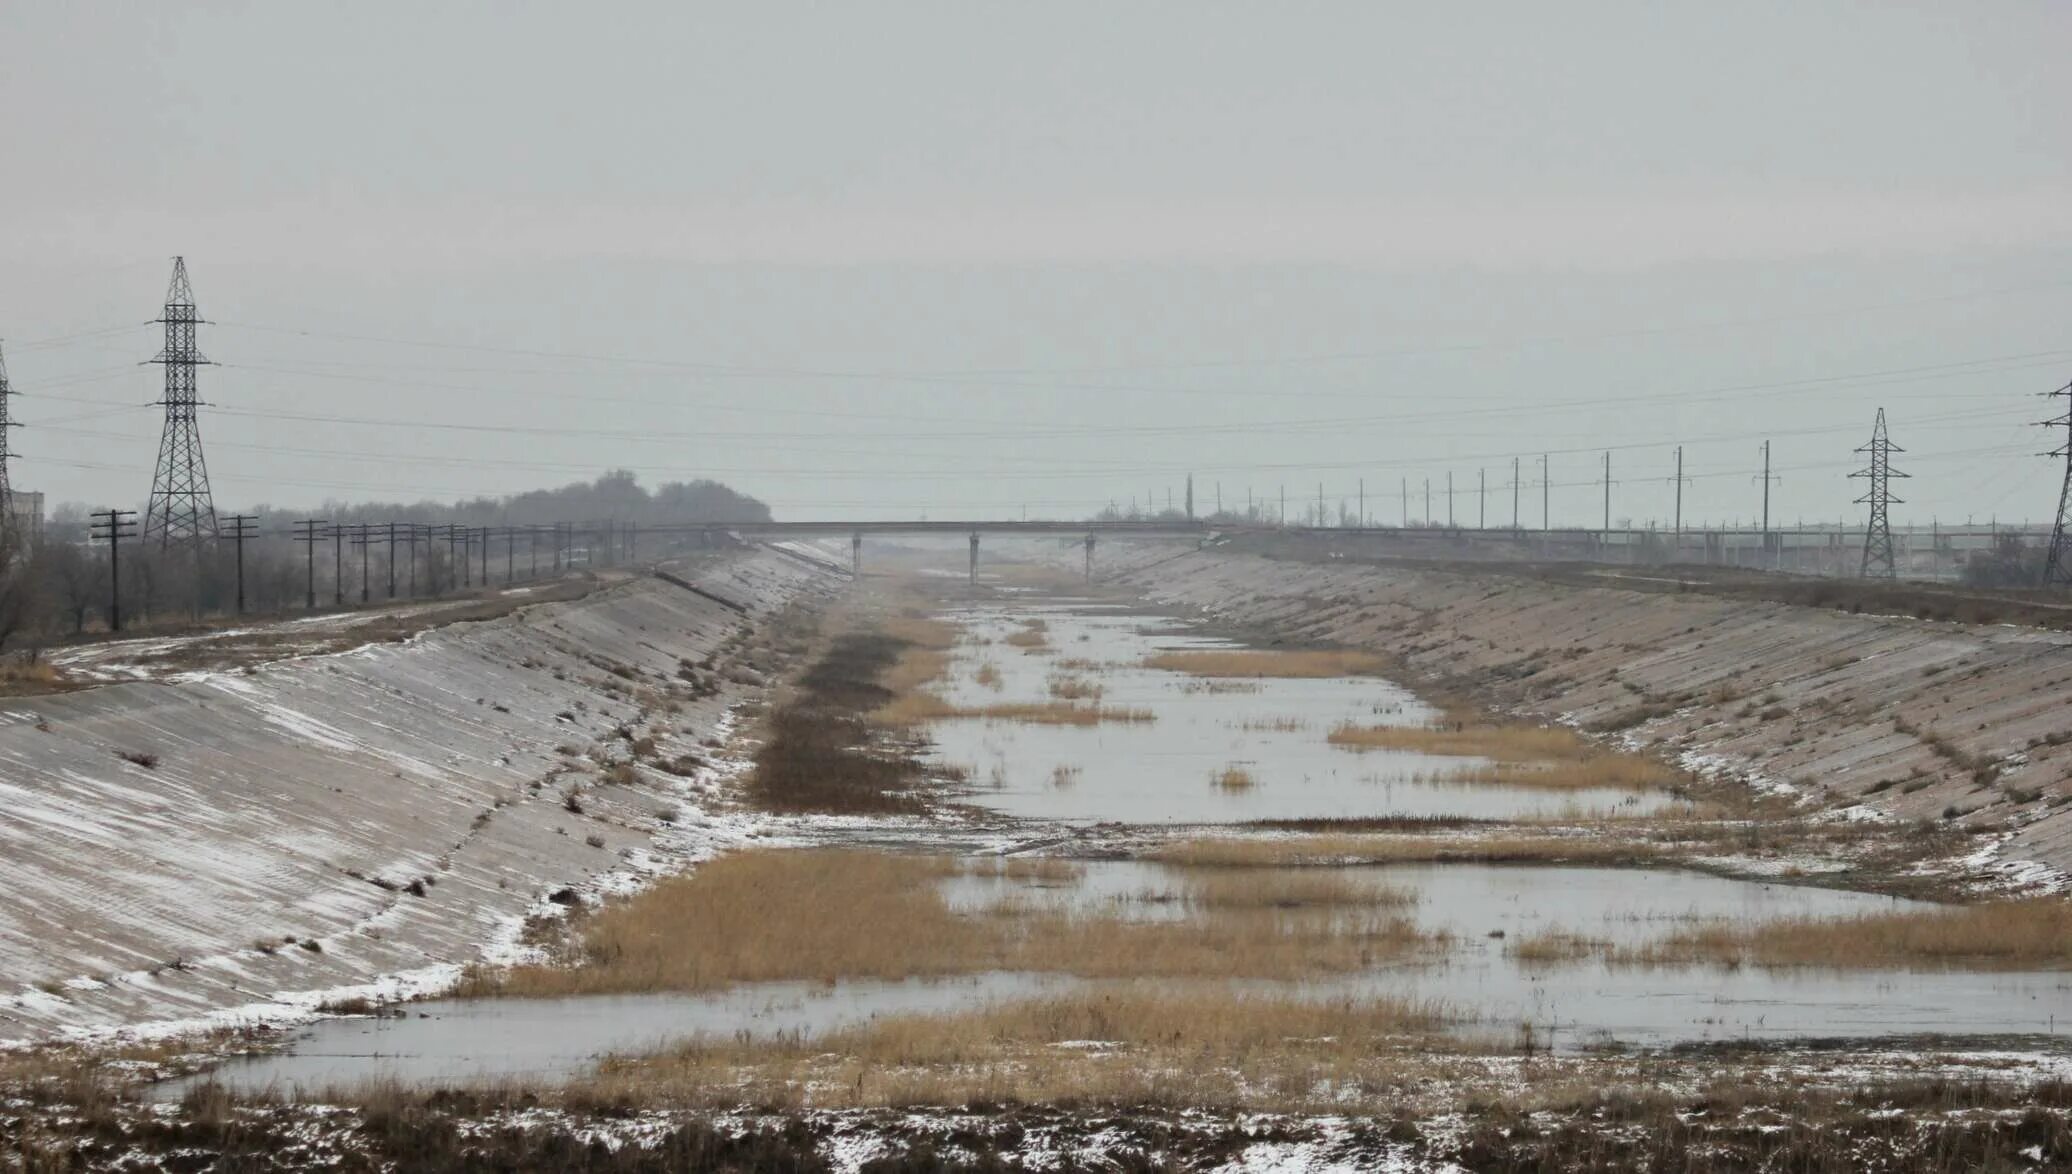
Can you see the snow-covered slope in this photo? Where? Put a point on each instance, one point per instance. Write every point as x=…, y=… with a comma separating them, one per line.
x=202, y=847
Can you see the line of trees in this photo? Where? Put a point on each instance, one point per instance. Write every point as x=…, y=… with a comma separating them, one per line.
x=57, y=584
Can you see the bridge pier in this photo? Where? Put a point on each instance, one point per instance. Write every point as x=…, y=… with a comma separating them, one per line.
x=1089, y=558
x=974, y=558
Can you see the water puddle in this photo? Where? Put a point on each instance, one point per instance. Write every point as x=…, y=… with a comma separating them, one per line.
x=1488, y=909
x=485, y=1041
x=1165, y=771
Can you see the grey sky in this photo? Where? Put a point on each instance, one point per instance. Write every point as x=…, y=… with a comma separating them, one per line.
x=885, y=259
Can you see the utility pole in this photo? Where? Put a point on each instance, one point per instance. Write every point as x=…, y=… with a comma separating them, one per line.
x=1482, y=497
x=1607, y=491
x=410, y=531
x=1766, y=498
x=338, y=565
x=180, y=508
x=1321, y=519
x=1514, y=493
x=309, y=532
x=1428, y=503
x=392, y=560
x=1877, y=535
x=362, y=537
x=510, y=554
x=1449, y=499
x=11, y=541
x=1190, y=499
x=532, y=534
x=1406, y=503
x=1284, y=503
x=2057, y=565
x=1363, y=503
x=1679, y=492
x=1546, y=494
x=485, y=556
x=241, y=529
x=114, y=525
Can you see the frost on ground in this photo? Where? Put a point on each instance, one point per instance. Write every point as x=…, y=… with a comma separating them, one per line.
x=229, y=848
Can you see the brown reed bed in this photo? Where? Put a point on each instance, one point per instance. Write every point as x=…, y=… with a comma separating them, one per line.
x=1267, y=663
x=823, y=915
x=1233, y=778
x=1346, y=850
x=1129, y=1044
x=2028, y=933
x=1552, y=757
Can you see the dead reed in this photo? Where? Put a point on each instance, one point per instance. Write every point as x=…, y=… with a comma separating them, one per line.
x=831, y=914
x=1128, y=1045
x=1267, y=663
x=1233, y=778
x=1348, y=850
x=1994, y=935
x=1552, y=757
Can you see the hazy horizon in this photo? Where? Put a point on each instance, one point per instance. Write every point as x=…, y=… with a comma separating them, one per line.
x=962, y=260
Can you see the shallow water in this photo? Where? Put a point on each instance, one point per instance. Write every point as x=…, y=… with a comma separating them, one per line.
x=1587, y=1003
x=1160, y=772
x=484, y=1041
x=1475, y=981
x=1163, y=771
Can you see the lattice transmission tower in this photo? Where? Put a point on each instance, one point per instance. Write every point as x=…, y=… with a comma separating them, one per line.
x=180, y=508
x=2057, y=566
x=1877, y=536
x=10, y=528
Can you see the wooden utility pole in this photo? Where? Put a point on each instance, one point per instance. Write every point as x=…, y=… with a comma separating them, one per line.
x=114, y=525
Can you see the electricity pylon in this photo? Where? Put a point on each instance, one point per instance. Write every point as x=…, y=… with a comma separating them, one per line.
x=180, y=509
x=10, y=529
x=2057, y=567
x=1877, y=536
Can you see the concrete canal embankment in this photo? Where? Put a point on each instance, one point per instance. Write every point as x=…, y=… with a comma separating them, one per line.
x=1892, y=716
x=217, y=846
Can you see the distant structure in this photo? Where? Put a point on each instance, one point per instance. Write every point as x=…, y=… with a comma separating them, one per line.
x=1877, y=536
x=11, y=534
x=2057, y=566
x=180, y=509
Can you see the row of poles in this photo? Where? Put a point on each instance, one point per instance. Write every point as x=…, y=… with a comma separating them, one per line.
x=468, y=549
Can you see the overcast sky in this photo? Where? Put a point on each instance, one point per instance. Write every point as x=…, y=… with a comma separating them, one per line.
x=961, y=258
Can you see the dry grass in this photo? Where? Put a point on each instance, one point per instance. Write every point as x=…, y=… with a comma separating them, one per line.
x=1070, y=688
x=1032, y=636
x=1222, y=888
x=1553, y=947
x=1552, y=757
x=1267, y=663
x=1277, y=725
x=30, y=677
x=1131, y=1045
x=988, y=675
x=1220, y=685
x=924, y=706
x=1063, y=775
x=1345, y=850
x=1233, y=778
x=2015, y=934
x=826, y=915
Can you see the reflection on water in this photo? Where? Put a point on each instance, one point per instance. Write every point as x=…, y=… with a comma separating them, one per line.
x=1484, y=908
x=1163, y=771
x=1488, y=908
x=459, y=1041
